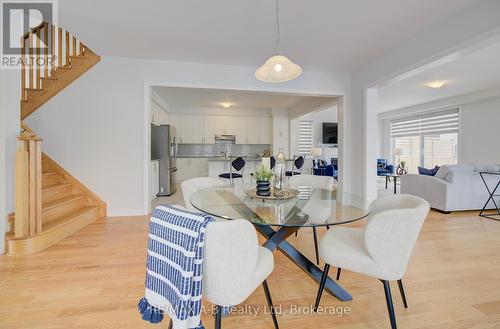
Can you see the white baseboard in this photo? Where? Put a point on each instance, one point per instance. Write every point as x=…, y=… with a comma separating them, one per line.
x=126, y=212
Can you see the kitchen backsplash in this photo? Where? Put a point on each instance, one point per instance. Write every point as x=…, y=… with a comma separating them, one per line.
x=213, y=150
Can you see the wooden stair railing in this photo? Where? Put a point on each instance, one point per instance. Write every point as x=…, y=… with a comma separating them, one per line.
x=28, y=207
x=50, y=203
x=40, y=63
x=48, y=53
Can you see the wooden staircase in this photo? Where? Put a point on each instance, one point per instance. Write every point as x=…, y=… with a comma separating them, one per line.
x=57, y=81
x=50, y=203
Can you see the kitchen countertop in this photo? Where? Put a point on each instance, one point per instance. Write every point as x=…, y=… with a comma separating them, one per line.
x=249, y=158
x=224, y=159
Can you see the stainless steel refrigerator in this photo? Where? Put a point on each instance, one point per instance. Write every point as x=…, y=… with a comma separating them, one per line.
x=164, y=149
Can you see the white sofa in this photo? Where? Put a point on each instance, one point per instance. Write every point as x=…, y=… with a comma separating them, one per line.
x=453, y=188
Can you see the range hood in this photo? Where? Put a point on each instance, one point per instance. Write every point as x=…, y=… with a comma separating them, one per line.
x=225, y=138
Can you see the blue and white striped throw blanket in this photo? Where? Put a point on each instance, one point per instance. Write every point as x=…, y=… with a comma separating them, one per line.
x=174, y=267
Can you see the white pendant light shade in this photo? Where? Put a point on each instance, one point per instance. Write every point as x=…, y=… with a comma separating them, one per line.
x=278, y=69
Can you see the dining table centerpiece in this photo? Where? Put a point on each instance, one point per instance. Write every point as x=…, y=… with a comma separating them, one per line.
x=263, y=176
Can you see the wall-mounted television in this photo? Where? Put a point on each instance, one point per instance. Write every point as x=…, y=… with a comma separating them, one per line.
x=330, y=133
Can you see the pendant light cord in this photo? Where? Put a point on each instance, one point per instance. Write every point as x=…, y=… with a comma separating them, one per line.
x=277, y=29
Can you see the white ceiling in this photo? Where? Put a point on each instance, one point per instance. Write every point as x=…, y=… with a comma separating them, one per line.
x=327, y=35
x=478, y=70
x=178, y=97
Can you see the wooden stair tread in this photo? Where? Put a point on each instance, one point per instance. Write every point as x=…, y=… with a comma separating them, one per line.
x=54, y=186
x=66, y=218
x=53, y=231
x=57, y=202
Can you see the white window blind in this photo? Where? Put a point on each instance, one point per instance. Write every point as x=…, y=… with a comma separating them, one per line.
x=432, y=123
x=305, y=137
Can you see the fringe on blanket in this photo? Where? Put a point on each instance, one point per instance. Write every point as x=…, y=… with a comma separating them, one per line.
x=154, y=314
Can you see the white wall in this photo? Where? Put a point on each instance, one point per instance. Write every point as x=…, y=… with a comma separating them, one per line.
x=480, y=132
x=384, y=139
x=9, y=130
x=280, y=132
x=98, y=128
x=327, y=115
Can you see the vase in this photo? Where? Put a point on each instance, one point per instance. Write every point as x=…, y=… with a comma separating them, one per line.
x=263, y=188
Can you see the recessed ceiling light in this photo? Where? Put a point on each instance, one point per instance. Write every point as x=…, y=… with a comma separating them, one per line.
x=436, y=84
x=225, y=105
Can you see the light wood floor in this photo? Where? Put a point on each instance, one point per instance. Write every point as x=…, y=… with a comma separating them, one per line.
x=94, y=278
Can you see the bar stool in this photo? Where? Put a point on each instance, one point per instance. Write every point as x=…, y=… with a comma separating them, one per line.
x=238, y=165
x=298, y=162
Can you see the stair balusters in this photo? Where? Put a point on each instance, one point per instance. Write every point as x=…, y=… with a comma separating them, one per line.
x=44, y=49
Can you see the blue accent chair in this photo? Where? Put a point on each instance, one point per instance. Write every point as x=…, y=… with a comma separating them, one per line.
x=328, y=170
x=383, y=168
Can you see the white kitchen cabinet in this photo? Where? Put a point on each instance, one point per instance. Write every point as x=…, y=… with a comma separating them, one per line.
x=264, y=131
x=210, y=129
x=201, y=129
x=241, y=130
x=188, y=168
x=199, y=167
x=193, y=129
x=215, y=168
x=175, y=121
x=230, y=123
x=253, y=130
x=225, y=125
x=183, y=169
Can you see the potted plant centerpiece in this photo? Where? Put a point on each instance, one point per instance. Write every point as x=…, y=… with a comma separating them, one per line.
x=263, y=175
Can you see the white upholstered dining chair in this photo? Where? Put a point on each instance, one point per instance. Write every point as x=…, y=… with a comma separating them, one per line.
x=190, y=186
x=381, y=249
x=234, y=266
x=324, y=182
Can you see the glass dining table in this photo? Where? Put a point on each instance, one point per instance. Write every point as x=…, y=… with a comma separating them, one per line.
x=277, y=219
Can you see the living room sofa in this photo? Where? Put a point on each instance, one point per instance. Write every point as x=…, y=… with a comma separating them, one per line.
x=453, y=188
x=384, y=168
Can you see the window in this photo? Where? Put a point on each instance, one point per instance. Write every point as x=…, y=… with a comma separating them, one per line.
x=305, y=137
x=427, y=139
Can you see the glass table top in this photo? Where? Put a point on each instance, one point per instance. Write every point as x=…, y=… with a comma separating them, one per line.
x=312, y=206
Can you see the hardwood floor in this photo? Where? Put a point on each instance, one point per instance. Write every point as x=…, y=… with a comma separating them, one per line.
x=94, y=278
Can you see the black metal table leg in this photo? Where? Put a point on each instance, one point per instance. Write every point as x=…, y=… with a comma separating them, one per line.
x=395, y=183
x=491, y=197
x=276, y=240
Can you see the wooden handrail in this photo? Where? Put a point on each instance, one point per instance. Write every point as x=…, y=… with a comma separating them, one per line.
x=36, y=28
x=28, y=208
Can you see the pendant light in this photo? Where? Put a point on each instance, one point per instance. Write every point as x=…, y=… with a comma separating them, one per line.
x=278, y=68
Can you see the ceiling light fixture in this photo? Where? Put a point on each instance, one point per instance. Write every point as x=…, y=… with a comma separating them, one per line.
x=225, y=105
x=436, y=84
x=278, y=68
